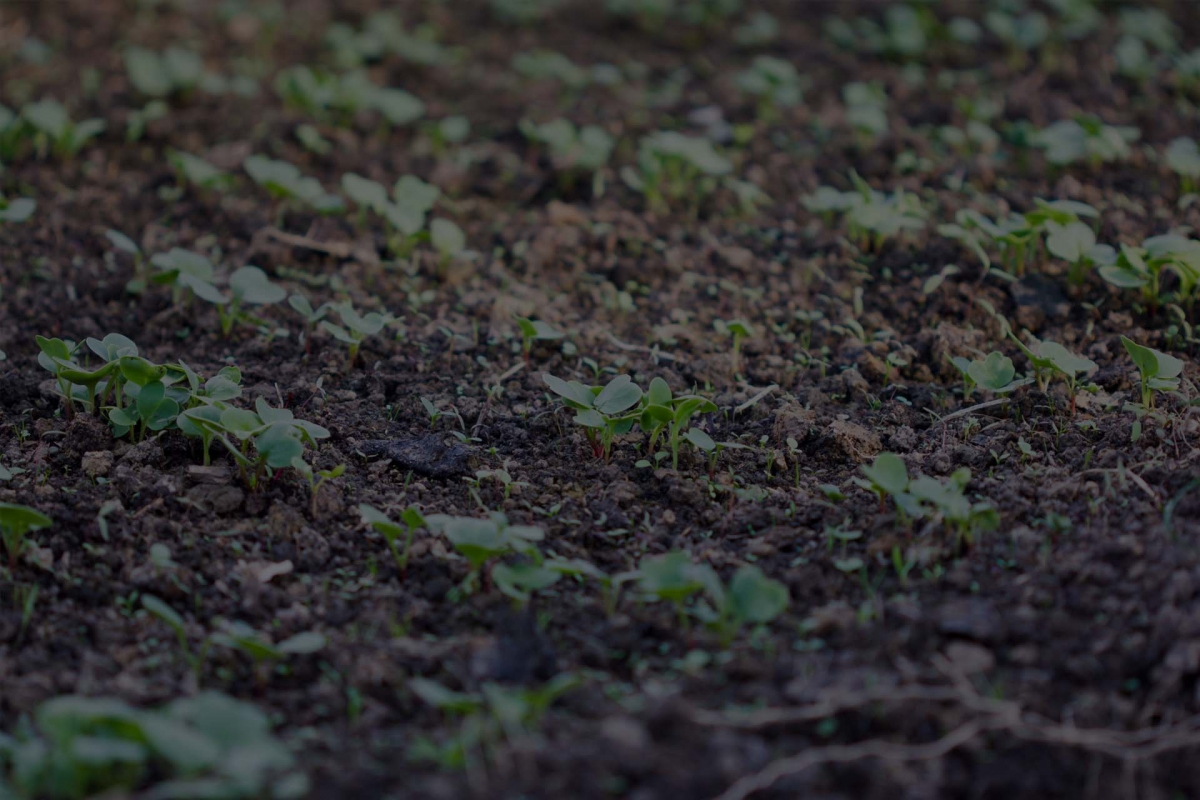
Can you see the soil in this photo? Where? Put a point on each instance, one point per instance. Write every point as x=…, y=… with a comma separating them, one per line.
x=1056, y=656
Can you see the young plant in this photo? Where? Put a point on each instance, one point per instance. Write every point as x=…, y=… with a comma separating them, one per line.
x=481, y=540
x=410, y=518
x=316, y=478
x=1144, y=267
x=287, y=185
x=738, y=330
x=536, y=330
x=206, y=745
x=1183, y=158
x=949, y=503
x=355, y=328
x=995, y=372
x=751, y=598
x=174, y=71
x=198, y=172
x=185, y=271
x=774, y=83
x=674, y=578
x=672, y=167
x=887, y=475
x=448, y=240
x=604, y=412
x=15, y=522
x=1085, y=138
x=54, y=130
x=1050, y=358
x=1159, y=371
x=573, y=151
x=302, y=306
x=1076, y=244
x=662, y=412
x=248, y=286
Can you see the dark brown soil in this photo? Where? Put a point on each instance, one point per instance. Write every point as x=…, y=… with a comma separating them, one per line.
x=1039, y=662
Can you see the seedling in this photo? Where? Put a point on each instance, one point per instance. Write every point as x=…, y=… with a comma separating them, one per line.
x=739, y=330
x=340, y=97
x=207, y=745
x=355, y=328
x=995, y=372
x=674, y=414
x=751, y=598
x=285, y=183
x=674, y=578
x=15, y=522
x=120, y=241
x=54, y=130
x=198, y=172
x=672, y=167
x=536, y=330
x=237, y=635
x=775, y=84
x=1144, y=267
x=316, y=478
x=302, y=306
x=176, y=71
x=410, y=518
x=704, y=443
x=1085, y=138
x=1159, y=371
x=169, y=616
x=1183, y=157
x=886, y=476
x=449, y=241
x=573, y=151
x=1075, y=243
x=605, y=410
x=248, y=286
x=185, y=271
x=1049, y=358
x=481, y=540
x=967, y=520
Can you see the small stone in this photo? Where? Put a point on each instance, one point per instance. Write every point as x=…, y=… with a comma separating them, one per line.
x=851, y=441
x=215, y=476
x=97, y=463
x=970, y=659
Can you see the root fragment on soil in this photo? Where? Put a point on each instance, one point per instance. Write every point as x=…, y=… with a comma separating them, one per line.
x=988, y=716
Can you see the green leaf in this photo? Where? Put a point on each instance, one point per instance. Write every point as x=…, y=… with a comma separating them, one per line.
x=700, y=439
x=755, y=598
x=888, y=473
x=619, y=395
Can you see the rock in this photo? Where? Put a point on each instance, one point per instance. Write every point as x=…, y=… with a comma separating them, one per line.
x=217, y=499
x=792, y=422
x=902, y=440
x=429, y=455
x=851, y=442
x=98, y=463
x=971, y=619
x=852, y=381
x=970, y=659
x=216, y=476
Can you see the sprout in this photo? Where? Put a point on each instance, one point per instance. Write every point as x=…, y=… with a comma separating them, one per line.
x=284, y=182
x=197, y=171
x=751, y=598
x=411, y=519
x=774, y=82
x=184, y=270
x=738, y=330
x=174, y=71
x=15, y=522
x=674, y=578
x=606, y=409
x=1049, y=358
x=1159, y=371
x=248, y=286
x=481, y=540
x=355, y=327
x=886, y=476
x=53, y=128
x=1085, y=138
x=673, y=167
x=448, y=239
x=316, y=479
x=1183, y=157
x=536, y=330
